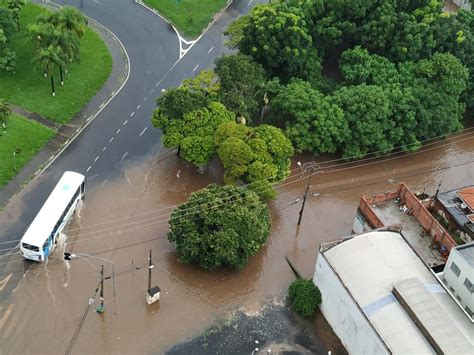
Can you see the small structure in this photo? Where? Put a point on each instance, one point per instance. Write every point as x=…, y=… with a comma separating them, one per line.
x=457, y=208
x=152, y=293
x=380, y=298
x=458, y=276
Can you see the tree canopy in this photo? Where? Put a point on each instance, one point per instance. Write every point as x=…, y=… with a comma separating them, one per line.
x=258, y=156
x=220, y=226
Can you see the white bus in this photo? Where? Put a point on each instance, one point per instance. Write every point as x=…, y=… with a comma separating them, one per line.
x=41, y=236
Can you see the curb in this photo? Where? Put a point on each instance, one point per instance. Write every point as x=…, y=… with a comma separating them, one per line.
x=88, y=121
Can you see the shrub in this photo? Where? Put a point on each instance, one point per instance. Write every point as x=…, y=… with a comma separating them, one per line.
x=304, y=297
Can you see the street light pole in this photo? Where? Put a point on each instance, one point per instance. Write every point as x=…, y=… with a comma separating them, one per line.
x=69, y=256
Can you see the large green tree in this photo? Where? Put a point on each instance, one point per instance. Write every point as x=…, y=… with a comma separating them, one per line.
x=15, y=7
x=241, y=83
x=220, y=226
x=7, y=57
x=259, y=156
x=277, y=36
x=7, y=23
x=193, y=132
x=312, y=122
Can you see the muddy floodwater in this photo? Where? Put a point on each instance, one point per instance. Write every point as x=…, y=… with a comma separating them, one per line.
x=125, y=215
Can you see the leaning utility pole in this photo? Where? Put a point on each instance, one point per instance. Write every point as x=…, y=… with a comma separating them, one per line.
x=100, y=309
x=152, y=293
x=312, y=167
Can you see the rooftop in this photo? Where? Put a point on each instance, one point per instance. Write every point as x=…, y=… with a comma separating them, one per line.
x=467, y=251
x=386, y=278
x=453, y=202
x=467, y=196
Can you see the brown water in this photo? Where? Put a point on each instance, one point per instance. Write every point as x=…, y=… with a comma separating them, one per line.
x=123, y=218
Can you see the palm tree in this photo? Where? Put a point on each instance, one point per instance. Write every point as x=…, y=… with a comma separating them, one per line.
x=15, y=7
x=48, y=59
x=5, y=111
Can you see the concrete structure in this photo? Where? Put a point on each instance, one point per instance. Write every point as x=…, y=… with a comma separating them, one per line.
x=458, y=276
x=380, y=298
x=410, y=212
x=457, y=208
x=463, y=4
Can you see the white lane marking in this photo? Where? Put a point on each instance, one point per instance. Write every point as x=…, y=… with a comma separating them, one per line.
x=103, y=149
x=131, y=115
x=138, y=107
x=210, y=50
x=250, y=2
x=144, y=130
x=125, y=122
x=3, y=282
x=151, y=91
x=195, y=68
x=144, y=99
x=96, y=158
x=117, y=131
x=111, y=139
x=124, y=155
x=237, y=18
x=156, y=85
x=89, y=168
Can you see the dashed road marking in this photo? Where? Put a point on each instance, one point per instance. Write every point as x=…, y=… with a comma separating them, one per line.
x=10, y=326
x=210, y=50
x=131, y=115
x=151, y=91
x=250, y=2
x=103, y=149
x=144, y=130
x=3, y=282
x=125, y=122
x=156, y=85
x=197, y=66
x=6, y=315
x=124, y=155
x=118, y=131
x=138, y=107
x=111, y=139
x=89, y=168
x=144, y=99
x=96, y=158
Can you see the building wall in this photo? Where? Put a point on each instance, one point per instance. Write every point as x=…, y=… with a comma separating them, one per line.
x=457, y=282
x=463, y=4
x=343, y=314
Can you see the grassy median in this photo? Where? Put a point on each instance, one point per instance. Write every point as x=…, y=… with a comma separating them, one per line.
x=26, y=138
x=28, y=88
x=190, y=16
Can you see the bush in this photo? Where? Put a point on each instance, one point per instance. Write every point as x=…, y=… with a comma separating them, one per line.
x=304, y=297
x=220, y=226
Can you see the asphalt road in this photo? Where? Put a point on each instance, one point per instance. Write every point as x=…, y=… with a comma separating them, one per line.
x=123, y=130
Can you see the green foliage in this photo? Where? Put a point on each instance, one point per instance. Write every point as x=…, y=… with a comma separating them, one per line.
x=220, y=226
x=367, y=111
x=193, y=131
x=7, y=23
x=27, y=87
x=13, y=139
x=7, y=57
x=312, y=122
x=235, y=31
x=304, y=297
x=241, y=83
x=277, y=37
x=258, y=156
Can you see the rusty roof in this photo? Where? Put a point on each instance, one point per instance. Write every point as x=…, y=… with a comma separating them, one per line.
x=467, y=196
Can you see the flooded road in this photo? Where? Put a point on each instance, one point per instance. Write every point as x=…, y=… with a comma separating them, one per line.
x=125, y=215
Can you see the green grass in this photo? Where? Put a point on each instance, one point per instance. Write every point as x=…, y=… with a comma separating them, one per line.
x=190, y=16
x=28, y=88
x=22, y=134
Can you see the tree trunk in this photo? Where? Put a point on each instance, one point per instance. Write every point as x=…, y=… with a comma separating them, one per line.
x=52, y=86
x=179, y=149
x=61, y=74
x=18, y=23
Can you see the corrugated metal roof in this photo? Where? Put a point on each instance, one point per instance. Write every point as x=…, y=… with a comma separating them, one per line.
x=369, y=265
x=467, y=196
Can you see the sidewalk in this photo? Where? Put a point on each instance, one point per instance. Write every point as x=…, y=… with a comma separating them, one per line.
x=67, y=132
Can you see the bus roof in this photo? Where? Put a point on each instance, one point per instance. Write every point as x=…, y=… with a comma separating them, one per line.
x=44, y=222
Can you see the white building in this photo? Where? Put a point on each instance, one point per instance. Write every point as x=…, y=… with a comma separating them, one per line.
x=458, y=276
x=380, y=298
x=463, y=4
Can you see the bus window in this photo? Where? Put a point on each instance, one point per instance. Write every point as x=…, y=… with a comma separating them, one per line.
x=30, y=247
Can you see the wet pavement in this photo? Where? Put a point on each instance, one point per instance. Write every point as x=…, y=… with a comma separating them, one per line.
x=44, y=307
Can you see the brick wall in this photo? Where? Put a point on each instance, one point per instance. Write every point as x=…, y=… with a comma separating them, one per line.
x=417, y=208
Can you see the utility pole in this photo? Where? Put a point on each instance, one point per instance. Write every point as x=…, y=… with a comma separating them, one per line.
x=152, y=293
x=312, y=168
x=100, y=309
